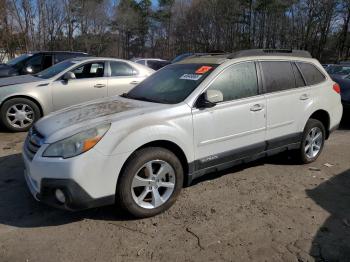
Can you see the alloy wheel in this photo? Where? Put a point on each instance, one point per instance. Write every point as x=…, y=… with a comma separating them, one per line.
x=20, y=115
x=313, y=142
x=153, y=184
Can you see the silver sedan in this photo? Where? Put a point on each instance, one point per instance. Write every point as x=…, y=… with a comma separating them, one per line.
x=24, y=99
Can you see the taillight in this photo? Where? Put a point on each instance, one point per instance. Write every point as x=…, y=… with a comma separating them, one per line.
x=336, y=88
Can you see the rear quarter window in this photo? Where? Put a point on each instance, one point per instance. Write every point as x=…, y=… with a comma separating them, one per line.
x=278, y=75
x=311, y=74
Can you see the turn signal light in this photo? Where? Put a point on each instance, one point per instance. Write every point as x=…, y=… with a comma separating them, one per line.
x=336, y=88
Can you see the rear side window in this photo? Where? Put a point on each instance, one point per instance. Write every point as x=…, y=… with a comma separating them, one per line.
x=121, y=69
x=278, y=76
x=299, y=81
x=311, y=74
x=237, y=81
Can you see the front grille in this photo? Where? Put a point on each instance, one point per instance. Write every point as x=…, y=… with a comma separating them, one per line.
x=33, y=143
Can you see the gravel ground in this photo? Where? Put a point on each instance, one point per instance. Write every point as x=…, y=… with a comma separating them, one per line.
x=269, y=210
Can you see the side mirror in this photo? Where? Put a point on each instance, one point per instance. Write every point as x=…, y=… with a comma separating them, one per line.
x=210, y=98
x=29, y=70
x=68, y=76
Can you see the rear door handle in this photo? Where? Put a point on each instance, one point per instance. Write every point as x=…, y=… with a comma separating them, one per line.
x=304, y=97
x=256, y=108
x=134, y=82
x=99, y=85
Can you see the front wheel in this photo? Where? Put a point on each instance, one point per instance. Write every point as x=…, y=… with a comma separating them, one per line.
x=150, y=183
x=312, y=141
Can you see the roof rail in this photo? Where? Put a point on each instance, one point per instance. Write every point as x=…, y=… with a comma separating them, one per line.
x=270, y=52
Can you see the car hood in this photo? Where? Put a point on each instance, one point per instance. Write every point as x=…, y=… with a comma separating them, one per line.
x=69, y=121
x=15, y=80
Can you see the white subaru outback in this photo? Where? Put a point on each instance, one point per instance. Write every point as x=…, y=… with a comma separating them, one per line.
x=198, y=116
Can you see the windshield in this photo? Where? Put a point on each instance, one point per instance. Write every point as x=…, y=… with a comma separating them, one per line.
x=54, y=70
x=18, y=59
x=172, y=84
x=338, y=70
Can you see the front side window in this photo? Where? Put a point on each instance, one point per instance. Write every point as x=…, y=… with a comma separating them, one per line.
x=121, y=69
x=278, y=76
x=90, y=70
x=237, y=81
x=172, y=84
x=35, y=61
x=311, y=74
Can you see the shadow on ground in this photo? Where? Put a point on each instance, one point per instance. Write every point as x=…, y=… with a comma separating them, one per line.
x=332, y=241
x=18, y=208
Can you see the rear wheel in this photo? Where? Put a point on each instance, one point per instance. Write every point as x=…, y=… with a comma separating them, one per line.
x=312, y=141
x=150, y=183
x=19, y=114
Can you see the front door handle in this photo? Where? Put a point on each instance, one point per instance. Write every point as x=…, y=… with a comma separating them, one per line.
x=304, y=97
x=256, y=108
x=134, y=82
x=99, y=85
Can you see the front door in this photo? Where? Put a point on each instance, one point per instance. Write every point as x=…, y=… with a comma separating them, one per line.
x=90, y=84
x=234, y=128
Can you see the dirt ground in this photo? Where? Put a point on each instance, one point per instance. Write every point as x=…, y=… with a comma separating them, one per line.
x=270, y=210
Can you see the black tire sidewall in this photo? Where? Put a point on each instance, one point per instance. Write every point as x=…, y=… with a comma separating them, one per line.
x=137, y=160
x=309, y=125
x=12, y=102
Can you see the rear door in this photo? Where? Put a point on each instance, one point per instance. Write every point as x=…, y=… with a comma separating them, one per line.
x=287, y=101
x=234, y=128
x=122, y=78
x=90, y=84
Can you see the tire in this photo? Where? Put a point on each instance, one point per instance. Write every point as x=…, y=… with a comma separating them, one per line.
x=312, y=143
x=25, y=111
x=137, y=193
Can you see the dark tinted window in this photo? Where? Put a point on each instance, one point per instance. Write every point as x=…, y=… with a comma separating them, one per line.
x=237, y=81
x=59, y=57
x=47, y=62
x=278, y=76
x=89, y=70
x=35, y=62
x=299, y=81
x=311, y=74
x=156, y=65
x=172, y=84
x=121, y=69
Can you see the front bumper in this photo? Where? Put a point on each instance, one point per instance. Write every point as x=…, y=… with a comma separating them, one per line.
x=76, y=197
x=88, y=180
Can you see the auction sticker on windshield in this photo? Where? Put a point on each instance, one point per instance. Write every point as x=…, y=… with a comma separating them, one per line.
x=192, y=77
x=203, y=69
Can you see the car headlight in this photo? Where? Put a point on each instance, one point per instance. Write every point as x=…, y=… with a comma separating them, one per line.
x=77, y=144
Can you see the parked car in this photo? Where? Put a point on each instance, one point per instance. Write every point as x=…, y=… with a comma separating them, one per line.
x=24, y=99
x=338, y=70
x=341, y=75
x=154, y=63
x=33, y=63
x=344, y=83
x=189, y=119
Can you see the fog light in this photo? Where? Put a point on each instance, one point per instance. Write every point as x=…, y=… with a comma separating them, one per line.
x=60, y=196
